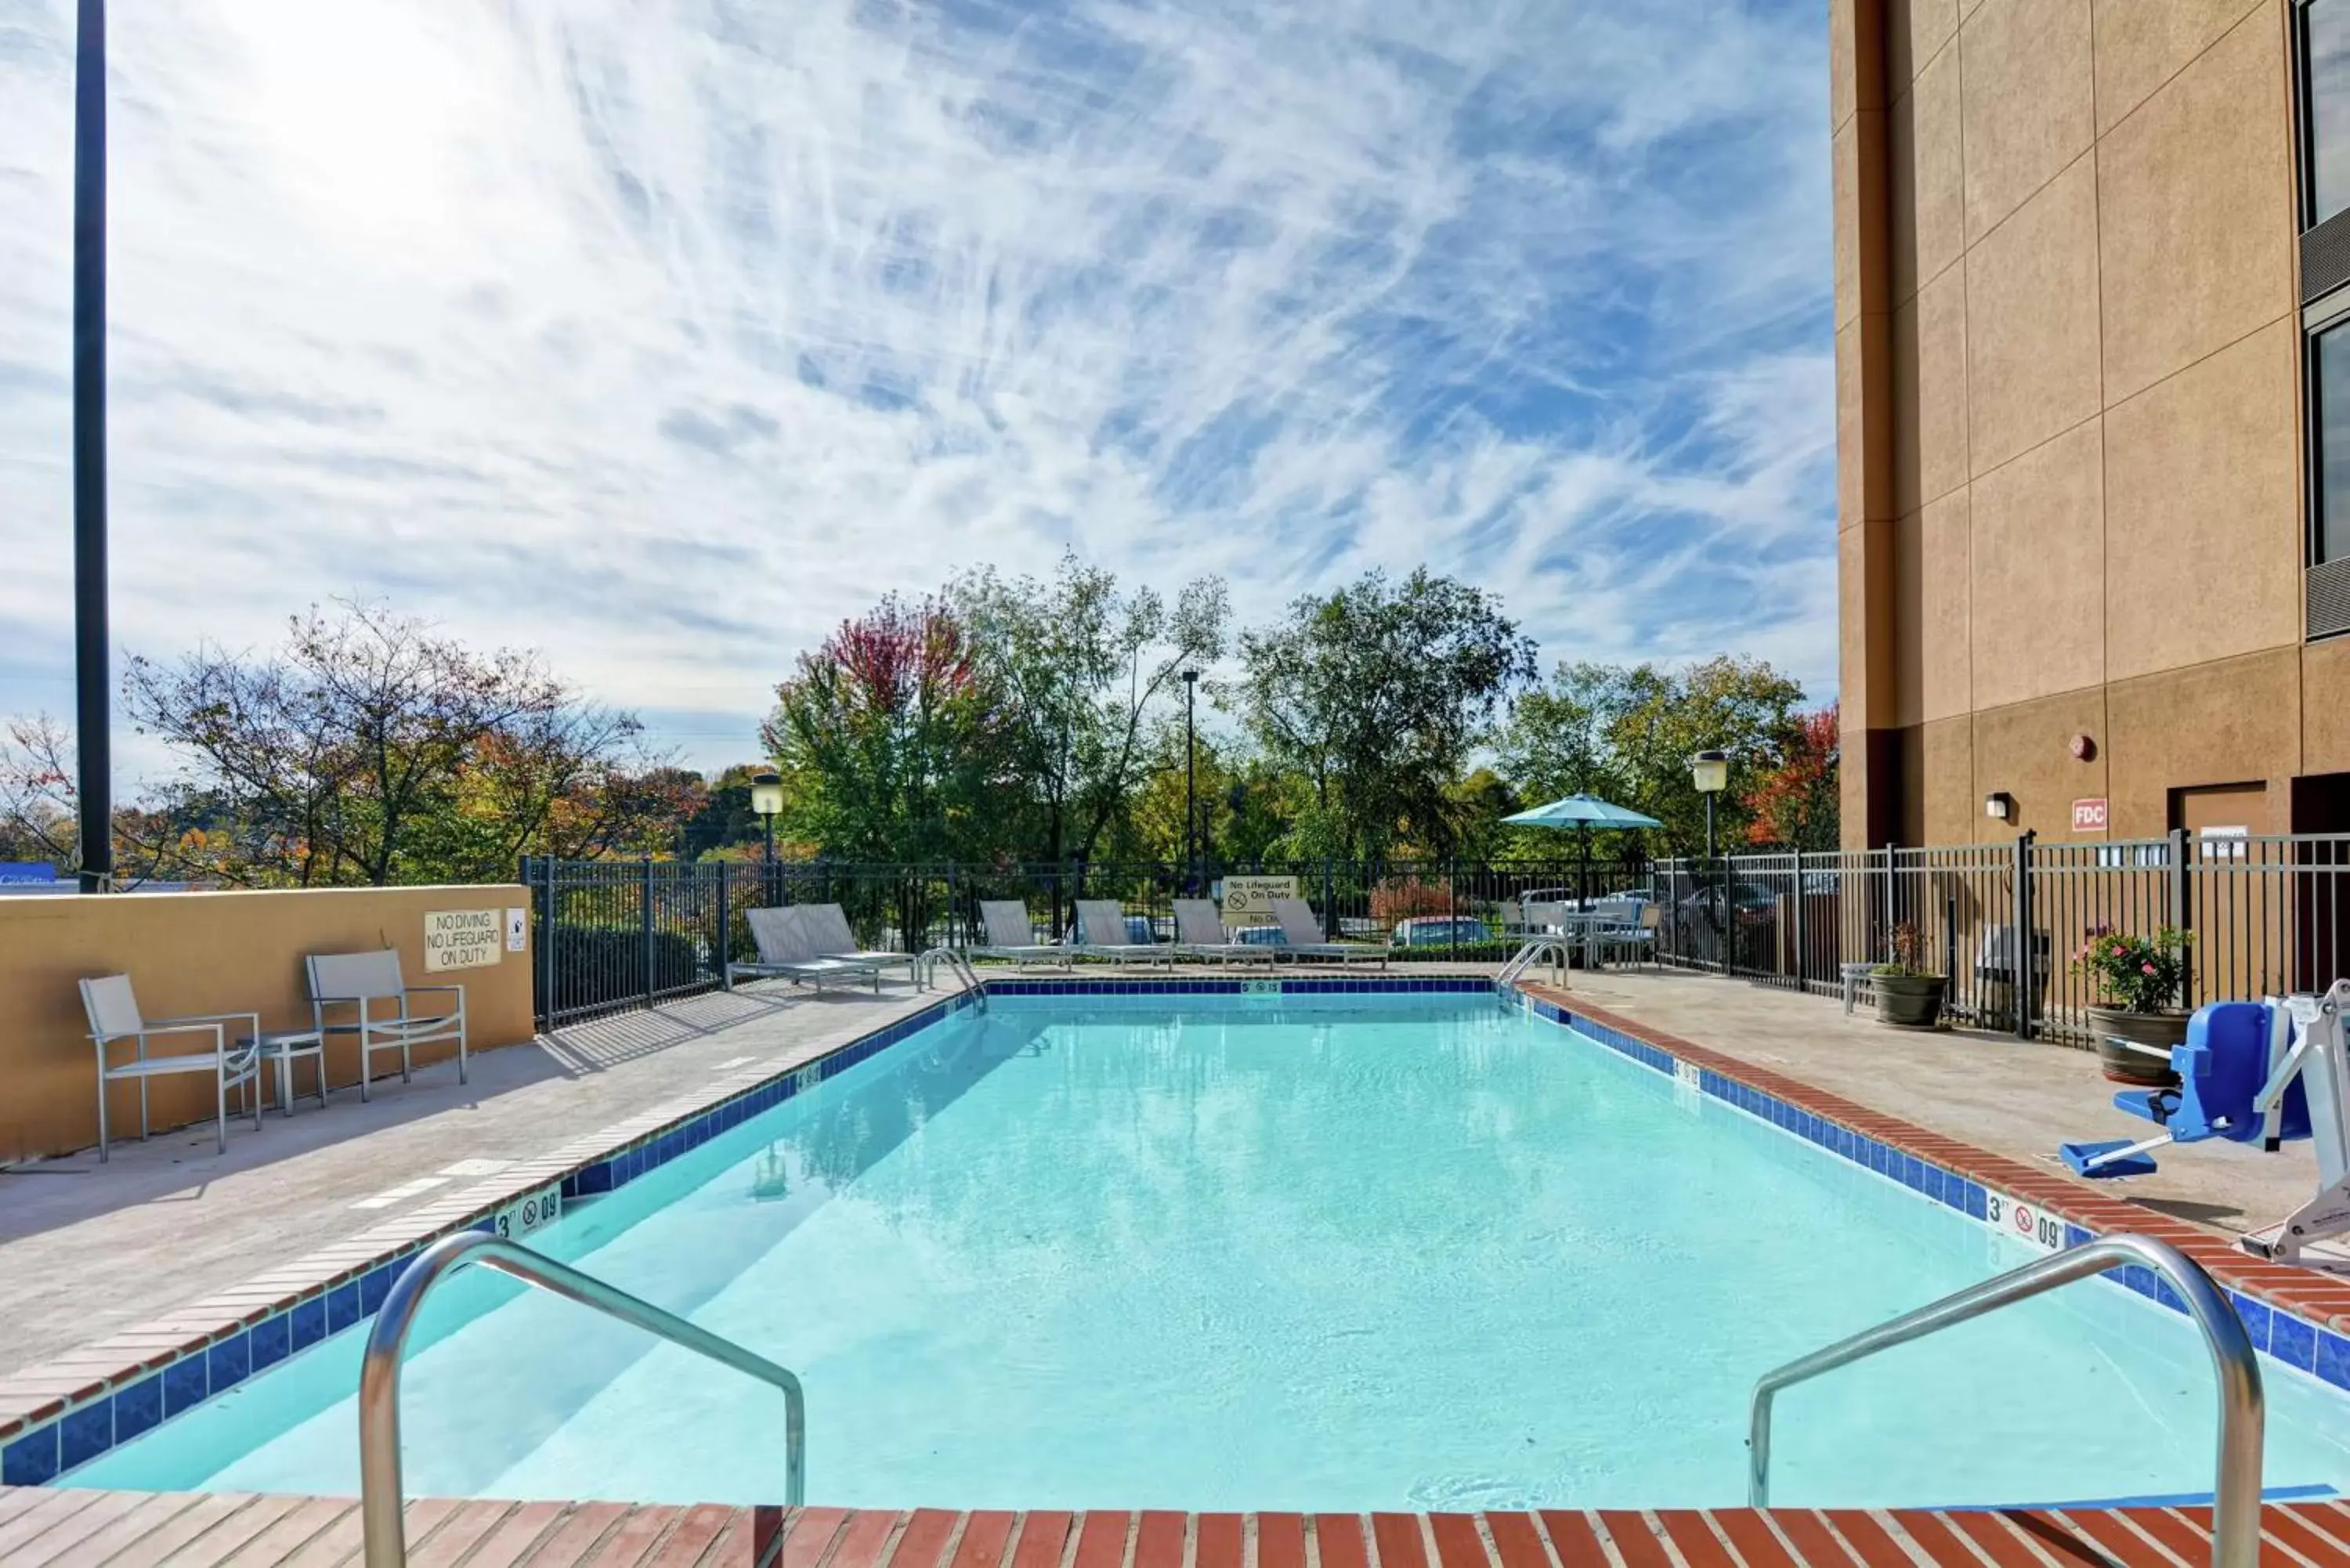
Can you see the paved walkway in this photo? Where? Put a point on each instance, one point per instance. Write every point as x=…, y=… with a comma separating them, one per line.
x=87, y=1250
x=66, y=1529
x=2013, y=1097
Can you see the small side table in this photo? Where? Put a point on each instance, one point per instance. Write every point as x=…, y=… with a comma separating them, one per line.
x=280, y=1047
x=1855, y=976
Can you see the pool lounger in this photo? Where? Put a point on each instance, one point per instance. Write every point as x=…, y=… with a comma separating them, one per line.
x=827, y=927
x=1095, y=915
x=1303, y=932
x=1012, y=936
x=1199, y=933
x=787, y=951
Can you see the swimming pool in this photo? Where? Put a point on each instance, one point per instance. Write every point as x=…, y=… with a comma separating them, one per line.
x=1337, y=1252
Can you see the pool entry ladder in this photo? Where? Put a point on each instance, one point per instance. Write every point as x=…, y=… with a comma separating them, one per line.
x=2236, y=1495
x=381, y=1494
x=1536, y=949
x=958, y=965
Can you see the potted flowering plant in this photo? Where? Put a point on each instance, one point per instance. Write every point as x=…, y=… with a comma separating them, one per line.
x=1907, y=992
x=2139, y=979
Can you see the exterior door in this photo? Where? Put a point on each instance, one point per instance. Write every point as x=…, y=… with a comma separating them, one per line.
x=2240, y=896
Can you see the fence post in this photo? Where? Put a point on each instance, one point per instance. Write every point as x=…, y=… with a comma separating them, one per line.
x=1329, y=911
x=1800, y=943
x=2019, y=963
x=546, y=954
x=647, y=910
x=725, y=954
x=1451, y=908
x=2181, y=911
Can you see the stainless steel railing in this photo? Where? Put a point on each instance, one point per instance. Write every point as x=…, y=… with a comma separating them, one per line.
x=926, y=969
x=381, y=1495
x=2236, y=1495
x=1535, y=950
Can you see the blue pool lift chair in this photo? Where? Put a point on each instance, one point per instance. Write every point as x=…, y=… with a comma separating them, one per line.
x=2223, y=1067
x=2260, y=1072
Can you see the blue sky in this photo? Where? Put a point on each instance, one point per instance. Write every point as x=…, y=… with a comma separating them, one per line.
x=662, y=336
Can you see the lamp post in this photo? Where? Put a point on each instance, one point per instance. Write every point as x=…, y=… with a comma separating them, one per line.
x=1190, y=784
x=93, y=677
x=767, y=800
x=1709, y=770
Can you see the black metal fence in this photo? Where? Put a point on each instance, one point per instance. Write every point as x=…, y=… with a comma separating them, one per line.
x=628, y=933
x=2005, y=920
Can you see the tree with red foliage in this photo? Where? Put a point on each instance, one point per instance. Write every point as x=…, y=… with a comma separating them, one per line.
x=886, y=735
x=1793, y=799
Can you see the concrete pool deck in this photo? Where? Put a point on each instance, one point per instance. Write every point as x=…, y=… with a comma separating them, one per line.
x=88, y=1251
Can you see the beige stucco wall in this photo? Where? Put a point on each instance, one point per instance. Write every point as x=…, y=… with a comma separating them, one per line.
x=2068, y=391
x=207, y=952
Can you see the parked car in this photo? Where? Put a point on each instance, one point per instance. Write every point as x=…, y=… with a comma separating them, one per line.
x=1752, y=904
x=1437, y=931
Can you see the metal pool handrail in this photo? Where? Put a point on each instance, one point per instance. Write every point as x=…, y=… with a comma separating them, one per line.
x=380, y=1493
x=927, y=965
x=2236, y=1496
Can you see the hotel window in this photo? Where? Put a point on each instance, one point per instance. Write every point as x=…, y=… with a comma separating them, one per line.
x=2322, y=69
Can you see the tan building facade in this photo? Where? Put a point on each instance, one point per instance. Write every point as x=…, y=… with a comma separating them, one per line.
x=2084, y=270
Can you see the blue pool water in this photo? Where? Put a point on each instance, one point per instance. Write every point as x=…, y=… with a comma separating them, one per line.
x=1351, y=1253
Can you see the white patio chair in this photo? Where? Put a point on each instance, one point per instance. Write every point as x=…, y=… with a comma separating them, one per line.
x=827, y=928
x=1302, y=930
x=1199, y=933
x=362, y=981
x=1011, y=935
x=113, y=1012
x=1103, y=934
x=788, y=950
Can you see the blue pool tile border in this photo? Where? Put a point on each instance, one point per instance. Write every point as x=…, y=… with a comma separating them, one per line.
x=2274, y=1330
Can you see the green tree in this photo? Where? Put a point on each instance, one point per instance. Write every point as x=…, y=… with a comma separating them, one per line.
x=1079, y=667
x=1375, y=695
x=1627, y=733
x=372, y=749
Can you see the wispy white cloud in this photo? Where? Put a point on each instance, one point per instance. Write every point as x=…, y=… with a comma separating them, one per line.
x=663, y=336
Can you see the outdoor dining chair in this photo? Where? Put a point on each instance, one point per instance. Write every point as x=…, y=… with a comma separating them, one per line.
x=365, y=983
x=113, y=1010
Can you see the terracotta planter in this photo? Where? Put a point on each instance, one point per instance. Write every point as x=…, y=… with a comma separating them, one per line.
x=2162, y=1030
x=1911, y=1001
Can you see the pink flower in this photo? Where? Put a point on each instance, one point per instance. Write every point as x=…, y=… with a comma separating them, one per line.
x=2146, y=969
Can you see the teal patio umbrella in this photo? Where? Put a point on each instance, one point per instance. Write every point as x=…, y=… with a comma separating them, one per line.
x=1582, y=812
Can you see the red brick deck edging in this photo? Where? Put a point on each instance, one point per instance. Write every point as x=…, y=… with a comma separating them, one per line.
x=50, y=1527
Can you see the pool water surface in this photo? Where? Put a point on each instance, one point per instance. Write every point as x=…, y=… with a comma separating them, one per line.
x=1344, y=1253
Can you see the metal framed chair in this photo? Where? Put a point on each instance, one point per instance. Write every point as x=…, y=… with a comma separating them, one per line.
x=113, y=1012
x=360, y=981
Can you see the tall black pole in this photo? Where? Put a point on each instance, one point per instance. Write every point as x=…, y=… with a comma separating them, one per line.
x=93, y=678
x=1190, y=785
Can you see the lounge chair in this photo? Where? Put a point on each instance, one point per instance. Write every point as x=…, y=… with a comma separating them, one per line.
x=114, y=1015
x=1011, y=935
x=827, y=927
x=1199, y=933
x=788, y=951
x=361, y=981
x=1100, y=918
x=1303, y=930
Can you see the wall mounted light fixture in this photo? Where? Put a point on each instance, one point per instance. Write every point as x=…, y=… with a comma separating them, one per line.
x=1999, y=805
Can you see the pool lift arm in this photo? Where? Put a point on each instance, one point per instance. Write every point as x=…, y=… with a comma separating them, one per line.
x=2308, y=1041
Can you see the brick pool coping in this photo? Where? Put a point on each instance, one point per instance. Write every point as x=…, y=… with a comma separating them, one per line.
x=66, y=1411
x=2321, y=1301
x=51, y=1527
